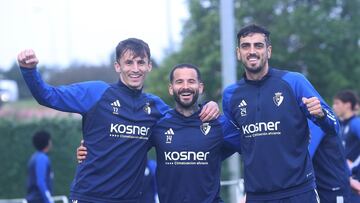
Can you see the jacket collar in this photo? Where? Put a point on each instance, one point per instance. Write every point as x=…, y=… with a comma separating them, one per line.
x=134, y=92
x=262, y=80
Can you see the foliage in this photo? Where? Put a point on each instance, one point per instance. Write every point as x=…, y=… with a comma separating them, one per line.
x=318, y=38
x=16, y=142
x=82, y=73
x=199, y=48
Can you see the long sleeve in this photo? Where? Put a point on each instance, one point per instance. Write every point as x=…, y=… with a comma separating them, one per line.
x=316, y=135
x=76, y=98
x=42, y=165
x=303, y=88
x=232, y=138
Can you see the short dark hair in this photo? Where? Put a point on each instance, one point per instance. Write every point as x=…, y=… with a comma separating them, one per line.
x=137, y=46
x=348, y=96
x=185, y=65
x=41, y=140
x=253, y=28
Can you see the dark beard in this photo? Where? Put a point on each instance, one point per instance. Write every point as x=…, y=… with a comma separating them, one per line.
x=253, y=70
x=186, y=105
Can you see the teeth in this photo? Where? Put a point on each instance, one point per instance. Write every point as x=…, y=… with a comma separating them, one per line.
x=134, y=76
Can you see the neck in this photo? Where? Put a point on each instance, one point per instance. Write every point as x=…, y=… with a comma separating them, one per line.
x=132, y=88
x=347, y=115
x=258, y=75
x=186, y=111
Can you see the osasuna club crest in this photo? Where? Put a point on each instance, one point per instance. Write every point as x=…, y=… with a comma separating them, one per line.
x=147, y=108
x=278, y=98
x=205, y=128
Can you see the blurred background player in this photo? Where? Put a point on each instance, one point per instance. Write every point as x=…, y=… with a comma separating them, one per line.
x=331, y=171
x=345, y=106
x=40, y=175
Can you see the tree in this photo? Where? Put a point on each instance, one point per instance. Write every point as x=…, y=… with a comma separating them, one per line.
x=319, y=38
x=200, y=46
x=80, y=73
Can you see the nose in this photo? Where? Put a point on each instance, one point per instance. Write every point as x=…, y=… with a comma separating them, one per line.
x=252, y=49
x=135, y=67
x=185, y=85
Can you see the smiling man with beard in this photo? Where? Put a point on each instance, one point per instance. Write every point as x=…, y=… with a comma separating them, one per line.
x=189, y=152
x=271, y=108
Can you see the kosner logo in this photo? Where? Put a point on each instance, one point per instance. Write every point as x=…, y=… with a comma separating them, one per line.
x=261, y=127
x=129, y=129
x=186, y=156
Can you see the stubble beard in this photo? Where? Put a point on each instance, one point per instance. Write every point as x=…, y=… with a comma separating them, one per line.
x=253, y=70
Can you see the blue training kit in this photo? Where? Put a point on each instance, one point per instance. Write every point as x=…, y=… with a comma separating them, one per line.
x=189, y=154
x=149, y=194
x=350, y=131
x=274, y=132
x=331, y=170
x=117, y=122
x=40, y=178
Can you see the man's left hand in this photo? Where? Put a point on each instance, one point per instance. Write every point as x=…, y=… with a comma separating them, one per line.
x=313, y=105
x=210, y=111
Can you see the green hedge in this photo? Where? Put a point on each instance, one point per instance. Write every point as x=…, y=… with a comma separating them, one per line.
x=16, y=148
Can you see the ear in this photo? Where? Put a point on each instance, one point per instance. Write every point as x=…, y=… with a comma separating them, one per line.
x=201, y=88
x=117, y=67
x=269, y=51
x=238, y=53
x=171, y=90
x=150, y=66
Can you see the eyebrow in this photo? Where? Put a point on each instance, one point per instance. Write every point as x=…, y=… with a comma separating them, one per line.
x=246, y=44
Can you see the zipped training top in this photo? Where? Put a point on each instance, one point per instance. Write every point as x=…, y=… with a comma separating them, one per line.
x=274, y=132
x=189, y=154
x=117, y=122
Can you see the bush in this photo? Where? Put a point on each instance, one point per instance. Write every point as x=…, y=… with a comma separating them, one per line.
x=16, y=149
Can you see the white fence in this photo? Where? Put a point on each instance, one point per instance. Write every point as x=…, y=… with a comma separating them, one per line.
x=61, y=198
x=237, y=184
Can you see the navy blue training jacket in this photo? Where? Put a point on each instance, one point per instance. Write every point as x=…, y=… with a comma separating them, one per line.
x=116, y=126
x=274, y=132
x=189, y=155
